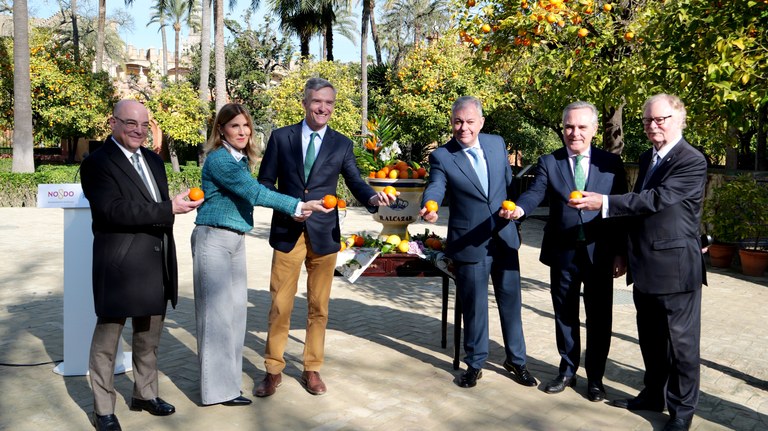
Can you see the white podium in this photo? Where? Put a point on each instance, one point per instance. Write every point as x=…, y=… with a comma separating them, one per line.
x=79, y=315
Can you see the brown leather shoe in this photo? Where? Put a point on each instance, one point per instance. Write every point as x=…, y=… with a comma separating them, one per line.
x=312, y=382
x=269, y=385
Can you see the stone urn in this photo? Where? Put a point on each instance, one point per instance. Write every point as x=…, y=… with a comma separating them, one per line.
x=396, y=217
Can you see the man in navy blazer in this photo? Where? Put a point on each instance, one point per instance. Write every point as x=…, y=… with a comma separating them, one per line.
x=580, y=247
x=666, y=262
x=472, y=169
x=305, y=160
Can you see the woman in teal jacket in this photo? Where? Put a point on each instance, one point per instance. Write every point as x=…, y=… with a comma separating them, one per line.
x=218, y=251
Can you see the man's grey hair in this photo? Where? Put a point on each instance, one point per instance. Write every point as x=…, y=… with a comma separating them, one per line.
x=673, y=101
x=464, y=101
x=315, y=84
x=581, y=105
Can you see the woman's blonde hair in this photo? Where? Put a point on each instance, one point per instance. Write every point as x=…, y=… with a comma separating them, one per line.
x=225, y=115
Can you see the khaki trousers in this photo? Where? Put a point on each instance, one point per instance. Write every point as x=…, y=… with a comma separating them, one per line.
x=101, y=364
x=283, y=286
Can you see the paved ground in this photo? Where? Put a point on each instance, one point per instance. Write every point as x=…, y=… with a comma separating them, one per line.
x=385, y=368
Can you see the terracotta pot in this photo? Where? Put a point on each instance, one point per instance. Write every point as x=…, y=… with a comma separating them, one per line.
x=721, y=255
x=753, y=262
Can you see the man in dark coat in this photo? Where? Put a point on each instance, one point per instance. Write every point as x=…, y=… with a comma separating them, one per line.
x=134, y=258
x=666, y=262
x=580, y=247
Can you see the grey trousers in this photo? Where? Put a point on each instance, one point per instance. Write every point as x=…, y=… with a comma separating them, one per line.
x=221, y=303
x=101, y=363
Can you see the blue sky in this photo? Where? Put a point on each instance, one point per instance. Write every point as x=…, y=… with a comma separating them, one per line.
x=144, y=36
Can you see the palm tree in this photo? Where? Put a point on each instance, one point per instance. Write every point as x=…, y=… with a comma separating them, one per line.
x=364, y=67
x=406, y=22
x=301, y=17
x=337, y=16
x=23, y=156
x=178, y=11
x=158, y=17
x=205, y=64
x=101, y=25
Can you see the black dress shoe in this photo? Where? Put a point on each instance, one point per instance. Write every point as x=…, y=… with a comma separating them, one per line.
x=677, y=424
x=157, y=406
x=595, y=391
x=520, y=374
x=239, y=401
x=559, y=383
x=470, y=377
x=637, y=404
x=106, y=423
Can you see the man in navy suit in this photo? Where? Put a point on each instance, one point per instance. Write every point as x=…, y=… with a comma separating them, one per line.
x=472, y=169
x=666, y=262
x=580, y=247
x=304, y=161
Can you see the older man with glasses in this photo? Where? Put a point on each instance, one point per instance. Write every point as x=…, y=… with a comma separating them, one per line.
x=665, y=261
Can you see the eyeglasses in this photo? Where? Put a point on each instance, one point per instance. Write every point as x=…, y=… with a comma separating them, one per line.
x=658, y=120
x=131, y=125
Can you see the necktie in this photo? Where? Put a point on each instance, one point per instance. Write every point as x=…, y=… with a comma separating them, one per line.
x=137, y=165
x=480, y=169
x=309, y=158
x=654, y=165
x=578, y=173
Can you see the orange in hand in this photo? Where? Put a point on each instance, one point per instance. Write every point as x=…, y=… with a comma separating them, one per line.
x=195, y=194
x=390, y=190
x=508, y=205
x=329, y=201
x=431, y=206
x=576, y=195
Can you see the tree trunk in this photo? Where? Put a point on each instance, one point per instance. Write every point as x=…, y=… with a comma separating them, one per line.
x=165, y=48
x=177, y=30
x=205, y=66
x=174, y=156
x=364, y=67
x=23, y=156
x=75, y=31
x=762, y=131
x=218, y=47
x=328, y=40
x=613, y=132
x=375, y=33
x=101, y=24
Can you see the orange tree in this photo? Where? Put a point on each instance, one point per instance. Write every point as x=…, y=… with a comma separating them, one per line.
x=425, y=86
x=553, y=52
x=68, y=101
x=715, y=55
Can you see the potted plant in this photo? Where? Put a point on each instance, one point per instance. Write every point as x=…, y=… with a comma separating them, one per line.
x=379, y=161
x=720, y=224
x=752, y=213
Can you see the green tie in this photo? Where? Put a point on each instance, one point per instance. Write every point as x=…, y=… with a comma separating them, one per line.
x=578, y=173
x=580, y=180
x=309, y=159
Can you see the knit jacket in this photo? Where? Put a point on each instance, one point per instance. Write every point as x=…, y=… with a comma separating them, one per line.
x=231, y=192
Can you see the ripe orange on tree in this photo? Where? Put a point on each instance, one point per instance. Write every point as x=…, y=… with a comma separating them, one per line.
x=431, y=206
x=195, y=194
x=629, y=36
x=583, y=32
x=390, y=190
x=576, y=195
x=508, y=205
x=486, y=28
x=329, y=201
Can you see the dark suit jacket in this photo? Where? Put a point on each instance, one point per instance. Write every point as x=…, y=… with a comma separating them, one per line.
x=474, y=219
x=282, y=170
x=553, y=181
x=134, y=256
x=664, y=244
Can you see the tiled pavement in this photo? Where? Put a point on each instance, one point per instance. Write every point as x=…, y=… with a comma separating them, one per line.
x=385, y=368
